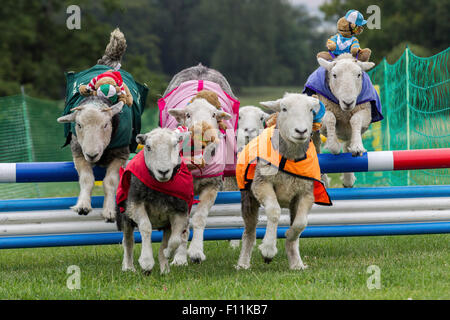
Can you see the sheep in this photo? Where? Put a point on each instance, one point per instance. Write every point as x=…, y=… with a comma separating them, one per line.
x=251, y=123
x=348, y=119
x=206, y=186
x=149, y=208
x=96, y=120
x=274, y=184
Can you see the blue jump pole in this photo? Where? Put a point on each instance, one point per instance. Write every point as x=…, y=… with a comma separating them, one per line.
x=235, y=197
x=227, y=234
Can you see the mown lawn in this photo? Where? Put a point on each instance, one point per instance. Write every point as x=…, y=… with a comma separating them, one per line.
x=412, y=267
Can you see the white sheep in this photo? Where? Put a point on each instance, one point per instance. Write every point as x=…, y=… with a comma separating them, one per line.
x=274, y=184
x=94, y=118
x=251, y=123
x=347, y=120
x=149, y=208
x=193, y=115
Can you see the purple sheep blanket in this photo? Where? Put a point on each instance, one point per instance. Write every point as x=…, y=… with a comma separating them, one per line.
x=316, y=83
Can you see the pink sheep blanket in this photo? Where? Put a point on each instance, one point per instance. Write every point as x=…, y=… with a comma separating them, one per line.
x=224, y=160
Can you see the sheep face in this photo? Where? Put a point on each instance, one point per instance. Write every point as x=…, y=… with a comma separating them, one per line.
x=198, y=112
x=251, y=122
x=162, y=151
x=93, y=126
x=345, y=79
x=295, y=118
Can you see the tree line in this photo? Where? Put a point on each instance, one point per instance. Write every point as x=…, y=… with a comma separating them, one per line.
x=252, y=42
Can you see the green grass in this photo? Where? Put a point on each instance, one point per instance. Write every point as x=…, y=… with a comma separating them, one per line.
x=414, y=267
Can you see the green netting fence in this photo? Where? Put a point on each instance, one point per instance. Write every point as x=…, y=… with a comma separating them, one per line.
x=415, y=95
x=414, y=92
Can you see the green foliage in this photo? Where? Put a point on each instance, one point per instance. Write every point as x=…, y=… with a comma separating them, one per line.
x=425, y=23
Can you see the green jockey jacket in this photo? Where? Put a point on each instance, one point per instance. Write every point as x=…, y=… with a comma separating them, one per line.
x=129, y=118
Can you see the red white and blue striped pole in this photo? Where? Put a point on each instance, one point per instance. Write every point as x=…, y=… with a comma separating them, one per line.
x=370, y=161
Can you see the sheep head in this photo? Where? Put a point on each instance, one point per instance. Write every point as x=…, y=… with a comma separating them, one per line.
x=162, y=151
x=345, y=78
x=93, y=125
x=295, y=116
x=251, y=123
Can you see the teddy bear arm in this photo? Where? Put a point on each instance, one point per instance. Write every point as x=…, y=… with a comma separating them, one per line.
x=331, y=45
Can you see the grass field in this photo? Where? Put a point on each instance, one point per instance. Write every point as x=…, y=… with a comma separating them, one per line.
x=412, y=267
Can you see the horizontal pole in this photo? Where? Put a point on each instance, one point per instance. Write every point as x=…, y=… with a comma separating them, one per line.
x=234, y=221
x=229, y=197
x=227, y=234
x=370, y=161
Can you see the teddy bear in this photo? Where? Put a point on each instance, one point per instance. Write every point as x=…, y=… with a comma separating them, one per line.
x=213, y=99
x=345, y=40
x=112, y=78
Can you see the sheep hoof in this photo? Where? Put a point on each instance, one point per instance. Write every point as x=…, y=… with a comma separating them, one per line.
x=147, y=272
x=179, y=261
x=128, y=269
x=299, y=266
x=267, y=260
x=357, y=150
x=242, y=266
x=82, y=211
x=347, y=186
x=196, y=256
x=196, y=260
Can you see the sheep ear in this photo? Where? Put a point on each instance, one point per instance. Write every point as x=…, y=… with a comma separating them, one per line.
x=223, y=116
x=179, y=115
x=365, y=66
x=264, y=115
x=326, y=64
x=140, y=138
x=117, y=108
x=272, y=105
x=67, y=119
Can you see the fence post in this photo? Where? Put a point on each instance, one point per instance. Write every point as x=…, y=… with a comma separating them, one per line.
x=386, y=99
x=29, y=144
x=408, y=137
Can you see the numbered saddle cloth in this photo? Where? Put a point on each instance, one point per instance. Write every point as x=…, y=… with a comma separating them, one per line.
x=261, y=149
x=181, y=185
x=224, y=159
x=129, y=120
x=316, y=84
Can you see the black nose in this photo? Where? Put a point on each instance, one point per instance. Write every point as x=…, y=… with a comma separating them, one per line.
x=92, y=157
x=163, y=173
x=301, y=132
x=348, y=104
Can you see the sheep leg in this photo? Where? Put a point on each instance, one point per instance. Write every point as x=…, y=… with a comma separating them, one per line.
x=163, y=262
x=180, y=258
x=329, y=121
x=128, y=244
x=139, y=215
x=299, y=216
x=265, y=195
x=178, y=224
x=250, y=215
x=348, y=178
x=110, y=183
x=86, y=181
x=359, y=120
x=207, y=197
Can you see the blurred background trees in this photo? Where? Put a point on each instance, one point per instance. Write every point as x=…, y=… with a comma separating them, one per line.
x=253, y=42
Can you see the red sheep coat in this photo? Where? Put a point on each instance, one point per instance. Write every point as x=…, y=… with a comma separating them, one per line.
x=180, y=186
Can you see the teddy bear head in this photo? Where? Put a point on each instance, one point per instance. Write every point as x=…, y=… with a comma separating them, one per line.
x=348, y=29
